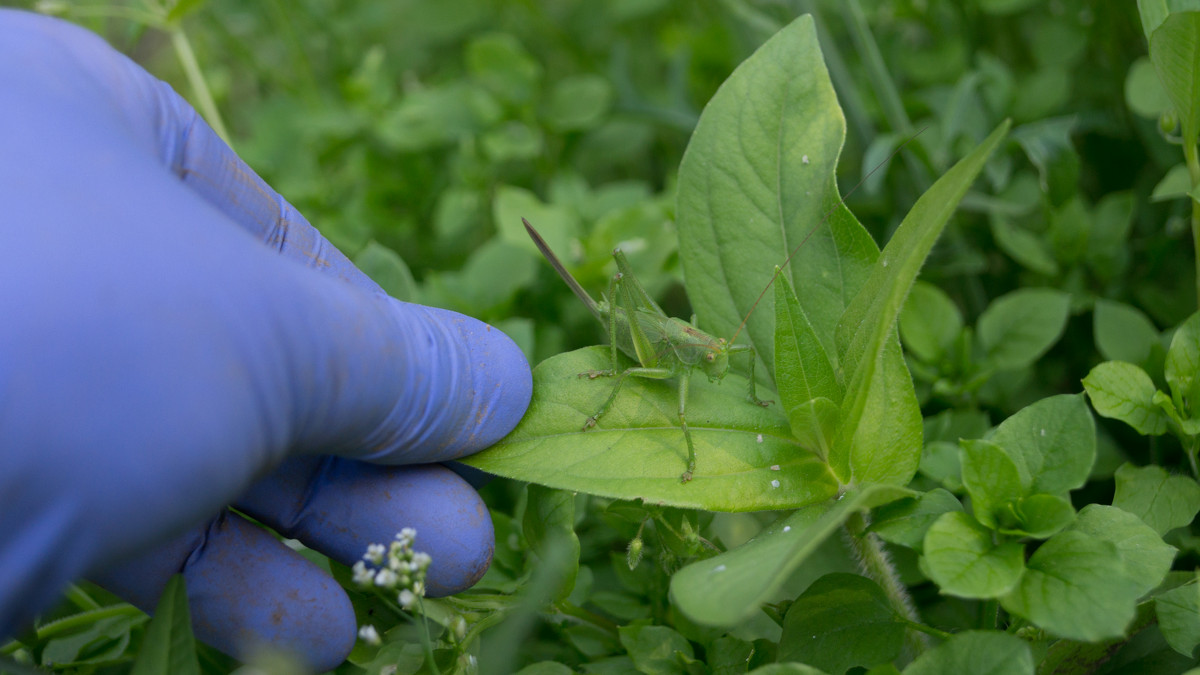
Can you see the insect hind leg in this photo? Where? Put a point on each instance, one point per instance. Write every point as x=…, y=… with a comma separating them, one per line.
x=647, y=373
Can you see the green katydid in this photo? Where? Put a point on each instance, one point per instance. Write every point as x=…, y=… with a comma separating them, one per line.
x=665, y=346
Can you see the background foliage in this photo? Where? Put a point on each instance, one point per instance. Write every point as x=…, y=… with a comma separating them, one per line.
x=415, y=135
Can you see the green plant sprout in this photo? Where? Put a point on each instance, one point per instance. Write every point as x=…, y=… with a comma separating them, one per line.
x=664, y=346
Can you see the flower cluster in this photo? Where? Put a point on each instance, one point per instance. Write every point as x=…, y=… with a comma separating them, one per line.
x=396, y=567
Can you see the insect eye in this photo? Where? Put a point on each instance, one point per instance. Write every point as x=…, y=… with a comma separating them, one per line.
x=710, y=357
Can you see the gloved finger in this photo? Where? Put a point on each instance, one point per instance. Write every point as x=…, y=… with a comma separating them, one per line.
x=155, y=119
x=339, y=506
x=245, y=590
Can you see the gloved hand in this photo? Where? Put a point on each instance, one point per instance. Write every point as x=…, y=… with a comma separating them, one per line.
x=176, y=338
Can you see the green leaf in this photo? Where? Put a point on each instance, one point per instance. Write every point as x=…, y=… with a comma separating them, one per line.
x=879, y=437
x=992, y=652
x=930, y=322
x=169, y=646
x=557, y=225
x=727, y=589
x=965, y=559
x=839, y=622
x=181, y=9
x=756, y=179
x=1053, y=442
x=1023, y=246
x=1047, y=142
x=746, y=456
x=550, y=522
x=728, y=655
x=786, y=669
x=1075, y=587
x=1123, y=391
x=1123, y=333
x=545, y=668
x=501, y=64
x=578, y=102
x=1175, y=53
x=905, y=522
x=1178, y=612
x=1038, y=516
x=808, y=386
x=437, y=116
x=1162, y=501
x=1154, y=12
x=1017, y=328
x=1146, y=556
x=1144, y=92
x=655, y=650
x=1174, y=185
x=387, y=268
x=1183, y=364
x=992, y=479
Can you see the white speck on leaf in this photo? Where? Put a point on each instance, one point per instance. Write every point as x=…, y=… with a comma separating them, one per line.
x=719, y=568
x=1043, y=432
x=774, y=467
x=775, y=483
x=787, y=528
x=804, y=159
x=760, y=438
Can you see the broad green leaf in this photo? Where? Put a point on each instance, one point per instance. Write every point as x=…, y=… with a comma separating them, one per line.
x=1074, y=586
x=1053, y=442
x=929, y=322
x=550, y=522
x=1023, y=246
x=1123, y=391
x=1175, y=53
x=1162, y=501
x=756, y=181
x=1017, y=328
x=905, y=522
x=992, y=479
x=841, y=621
x=880, y=412
x=1123, y=333
x=500, y=63
x=965, y=559
x=1183, y=364
x=1175, y=184
x=1047, y=142
x=655, y=650
x=746, y=456
x=728, y=655
x=808, y=387
x=1154, y=12
x=1038, y=516
x=991, y=652
x=1178, y=612
x=727, y=589
x=387, y=268
x=169, y=646
x=1146, y=556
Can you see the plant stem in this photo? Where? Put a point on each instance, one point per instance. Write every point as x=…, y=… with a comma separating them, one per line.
x=1193, y=165
x=426, y=640
x=876, y=564
x=991, y=614
x=191, y=67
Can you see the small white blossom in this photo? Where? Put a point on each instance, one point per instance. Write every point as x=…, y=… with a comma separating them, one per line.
x=385, y=578
x=374, y=554
x=363, y=576
x=407, y=599
x=421, y=560
x=418, y=587
x=369, y=635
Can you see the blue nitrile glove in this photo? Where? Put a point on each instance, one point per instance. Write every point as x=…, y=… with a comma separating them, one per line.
x=175, y=338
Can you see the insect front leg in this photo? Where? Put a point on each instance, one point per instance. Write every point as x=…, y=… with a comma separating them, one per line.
x=753, y=394
x=648, y=373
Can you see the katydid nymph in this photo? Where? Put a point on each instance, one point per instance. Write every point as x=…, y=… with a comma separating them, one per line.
x=663, y=346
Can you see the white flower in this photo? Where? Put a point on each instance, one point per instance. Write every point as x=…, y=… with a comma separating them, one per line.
x=418, y=587
x=369, y=635
x=421, y=560
x=407, y=533
x=407, y=599
x=374, y=553
x=385, y=578
x=363, y=576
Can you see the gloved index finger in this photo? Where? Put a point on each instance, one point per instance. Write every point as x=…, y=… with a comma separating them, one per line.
x=186, y=146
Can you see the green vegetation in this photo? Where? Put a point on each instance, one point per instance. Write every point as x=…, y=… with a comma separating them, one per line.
x=989, y=468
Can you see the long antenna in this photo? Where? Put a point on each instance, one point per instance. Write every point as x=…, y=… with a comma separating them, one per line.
x=841, y=202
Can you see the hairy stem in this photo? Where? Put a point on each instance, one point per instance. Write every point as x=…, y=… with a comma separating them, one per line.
x=875, y=564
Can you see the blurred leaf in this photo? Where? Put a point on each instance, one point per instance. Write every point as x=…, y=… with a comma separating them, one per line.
x=1003, y=7
x=1075, y=587
x=578, y=103
x=550, y=522
x=1123, y=391
x=558, y=226
x=1162, y=501
x=169, y=646
x=905, y=522
x=1023, y=246
x=1047, y=143
x=387, y=268
x=1045, y=92
x=182, y=8
x=437, y=116
x=1070, y=226
x=501, y=64
x=991, y=652
x=929, y=322
x=840, y=622
x=1017, y=328
x=1123, y=333
x=1144, y=93
x=512, y=141
x=1178, y=612
x=727, y=589
x=1175, y=53
x=1174, y=185
x=655, y=650
x=966, y=559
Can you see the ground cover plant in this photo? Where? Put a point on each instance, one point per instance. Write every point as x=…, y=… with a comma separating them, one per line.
x=982, y=450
